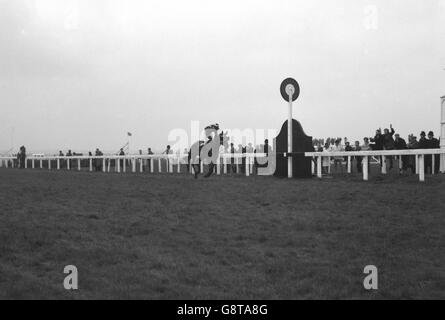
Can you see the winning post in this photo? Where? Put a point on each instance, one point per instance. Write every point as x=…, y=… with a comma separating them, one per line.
x=290, y=90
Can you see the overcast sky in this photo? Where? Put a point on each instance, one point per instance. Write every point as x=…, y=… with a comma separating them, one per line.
x=81, y=73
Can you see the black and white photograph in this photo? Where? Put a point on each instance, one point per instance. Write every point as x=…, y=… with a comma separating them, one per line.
x=222, y=155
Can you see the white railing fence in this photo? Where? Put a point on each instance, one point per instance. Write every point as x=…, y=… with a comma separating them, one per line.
x=240, y=162
x=142, y=163
x=418, y=154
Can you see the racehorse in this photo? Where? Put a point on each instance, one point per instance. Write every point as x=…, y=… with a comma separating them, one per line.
x=207, y=151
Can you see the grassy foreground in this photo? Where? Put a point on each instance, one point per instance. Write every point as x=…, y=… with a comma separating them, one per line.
x=173, y=237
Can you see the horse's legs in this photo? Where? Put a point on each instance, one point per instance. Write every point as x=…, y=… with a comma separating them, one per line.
x=196, y=169
x=211, y=169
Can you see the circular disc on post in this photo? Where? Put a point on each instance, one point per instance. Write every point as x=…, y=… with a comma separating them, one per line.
x=290, y=87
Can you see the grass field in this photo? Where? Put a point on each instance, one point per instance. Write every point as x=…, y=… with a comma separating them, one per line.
x=173, y=237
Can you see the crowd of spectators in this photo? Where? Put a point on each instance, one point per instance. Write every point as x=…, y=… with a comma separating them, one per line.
x=386, y=140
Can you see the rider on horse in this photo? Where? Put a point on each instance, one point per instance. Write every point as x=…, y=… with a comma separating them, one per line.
x=207, y=151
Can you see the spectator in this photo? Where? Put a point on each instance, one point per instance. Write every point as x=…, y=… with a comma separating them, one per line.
x=21, y=157
x=243, y=160
x=121, y=153
x=412, y=144
x=326, y=161
x=337, y=160
x=61, y=155
x=149, y=152
x=69, y=154
x=98, y=162
x=358, y=159
x=348, y=148
x=168, y=150
x=400, y=144
x=424, y=144
x=366, y=147
x=388, y=143
x=377, y=140
x=433, y=143
x=377, y=143
x=249, y=148
x=232, y=165
x=265, y=149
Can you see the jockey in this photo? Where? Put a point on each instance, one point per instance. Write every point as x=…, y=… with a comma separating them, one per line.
x=211, y=133
x=213, y=128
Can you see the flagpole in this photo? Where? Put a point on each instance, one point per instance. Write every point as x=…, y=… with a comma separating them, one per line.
x=128, y=143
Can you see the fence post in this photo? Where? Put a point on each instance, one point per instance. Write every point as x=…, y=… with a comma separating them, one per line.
x=91, y=164
x=329, y=167
x=68, y=164
x=58, y=163
x=152, y=165
x=365, y=167
x=49, y=163
x=41, y=164
x=383, y=164
x=433, y=164
x=78, y=164
x=422, y=167
x=319, y=161
x=349, y=164
x=159, y=165
x=417, y=164
x=218, y=166
x=133, y=164
x=179, y=164
x=26, y=163
x=103, y=165
x=247, y=166
x=225, y=165
x=6, y=163
x=141, y=165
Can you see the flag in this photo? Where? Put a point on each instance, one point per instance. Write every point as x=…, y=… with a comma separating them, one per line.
x=129, y=134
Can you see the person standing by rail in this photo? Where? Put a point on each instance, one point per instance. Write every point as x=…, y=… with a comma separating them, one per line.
x=433, y=143
x=400, y=144
x=21, y=157
x=424, y=144
x=358, y=160
x=412, y=144
x=377, y=143
x=121, y=153
x=98, y=162
x=388, y=143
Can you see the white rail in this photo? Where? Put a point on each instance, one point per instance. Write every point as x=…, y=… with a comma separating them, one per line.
x=141, y=162
x=147, y=162
x=419, y=155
